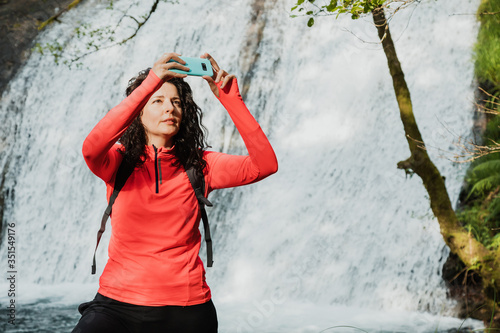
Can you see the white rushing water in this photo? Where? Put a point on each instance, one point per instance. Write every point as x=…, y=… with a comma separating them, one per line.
x=338, y=236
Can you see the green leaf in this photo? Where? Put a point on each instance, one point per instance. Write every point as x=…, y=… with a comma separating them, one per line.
x=310, y=12
x=300, y=2
x=487, y=168
x=485, y=185
x=310, y=23
x=294, y=7
x=331, y=7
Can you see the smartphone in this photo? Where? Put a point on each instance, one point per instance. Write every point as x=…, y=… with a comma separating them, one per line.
x=197, y=66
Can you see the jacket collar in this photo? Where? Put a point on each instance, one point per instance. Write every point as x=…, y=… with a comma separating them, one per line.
x=160, y=151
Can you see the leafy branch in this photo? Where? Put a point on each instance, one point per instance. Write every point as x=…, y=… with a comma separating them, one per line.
x=96, y=39
x=356, y=8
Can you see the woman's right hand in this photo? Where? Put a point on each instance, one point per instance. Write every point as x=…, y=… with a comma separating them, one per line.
x=162, y=67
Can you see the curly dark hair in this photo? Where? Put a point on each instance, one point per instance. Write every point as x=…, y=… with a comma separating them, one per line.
x=189, y=141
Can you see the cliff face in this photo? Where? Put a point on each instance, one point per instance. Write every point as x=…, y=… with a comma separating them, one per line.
x=19, y=21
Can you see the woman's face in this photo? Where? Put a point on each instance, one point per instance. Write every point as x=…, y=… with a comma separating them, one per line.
x=162, y=116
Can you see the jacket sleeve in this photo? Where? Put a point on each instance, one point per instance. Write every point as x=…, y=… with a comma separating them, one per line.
x=98, y=152
x=226, y=170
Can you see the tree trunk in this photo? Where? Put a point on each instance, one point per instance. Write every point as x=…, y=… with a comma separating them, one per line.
x=462, y=243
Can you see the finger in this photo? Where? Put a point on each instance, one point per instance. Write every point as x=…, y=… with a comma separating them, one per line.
x=227, y=79
x=220, y=75
x=167, y=54
x=212, y=61
x=176, y=65
x=177, y=58
x=212, y=84
x=168, y=75
x=209, y=79
x=171, y=57
x=174, y=74
x=207, y=56
x=165, y=57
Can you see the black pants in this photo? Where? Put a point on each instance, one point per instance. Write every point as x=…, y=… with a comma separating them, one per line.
x=107, y=315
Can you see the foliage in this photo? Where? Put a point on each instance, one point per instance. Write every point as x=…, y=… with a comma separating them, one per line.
x=487, y=49
x=483, y=221
x=482, y=213
x=123, y=26
x=356, y=8
x=492, y=132
x=485, y=177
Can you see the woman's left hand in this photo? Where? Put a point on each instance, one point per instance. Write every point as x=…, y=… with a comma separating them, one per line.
x=220, y=75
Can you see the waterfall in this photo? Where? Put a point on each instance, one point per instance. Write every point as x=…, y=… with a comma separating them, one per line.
x=338, y=235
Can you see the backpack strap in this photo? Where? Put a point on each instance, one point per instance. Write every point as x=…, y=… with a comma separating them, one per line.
x=124, y=171
x=198, y=183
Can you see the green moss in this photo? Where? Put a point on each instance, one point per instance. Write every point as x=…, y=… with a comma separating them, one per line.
x=487, y=49
x=483, y=222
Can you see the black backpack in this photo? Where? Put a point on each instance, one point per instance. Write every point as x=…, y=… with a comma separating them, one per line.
x=197, y=181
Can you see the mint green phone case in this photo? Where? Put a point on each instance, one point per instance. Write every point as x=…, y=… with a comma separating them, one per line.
x=197, y=66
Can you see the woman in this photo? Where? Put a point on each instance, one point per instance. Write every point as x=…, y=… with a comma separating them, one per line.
x=154, y=280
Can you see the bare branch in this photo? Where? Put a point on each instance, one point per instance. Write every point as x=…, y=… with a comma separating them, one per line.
x=472, y=151
x=469, y=150
x=493, y=97
x=489, y=13
x=108, y=38
x=123, y=41
x=484, y=109
x=403, y=5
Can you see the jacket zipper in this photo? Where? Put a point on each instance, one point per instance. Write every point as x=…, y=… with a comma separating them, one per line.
x=156, y=168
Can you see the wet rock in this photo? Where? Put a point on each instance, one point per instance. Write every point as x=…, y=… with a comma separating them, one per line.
x=19, y=21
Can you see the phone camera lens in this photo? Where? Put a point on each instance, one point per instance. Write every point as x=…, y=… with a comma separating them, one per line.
x=204, y=67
